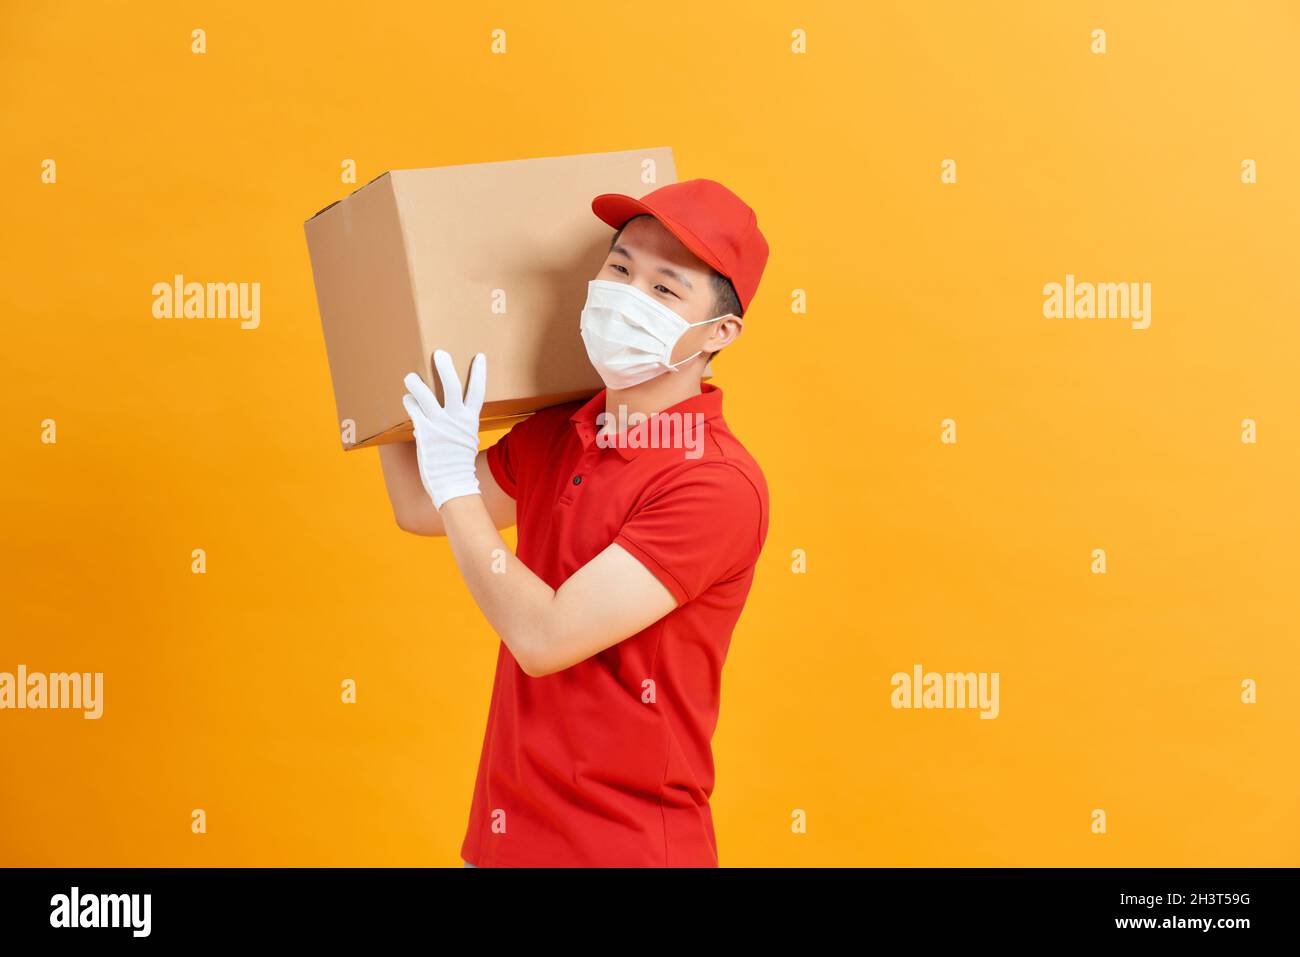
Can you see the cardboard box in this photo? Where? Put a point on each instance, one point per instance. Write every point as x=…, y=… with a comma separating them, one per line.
x=483, y=257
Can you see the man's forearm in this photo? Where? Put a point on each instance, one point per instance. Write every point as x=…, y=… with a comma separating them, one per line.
x=515, y=601
x=412, y=509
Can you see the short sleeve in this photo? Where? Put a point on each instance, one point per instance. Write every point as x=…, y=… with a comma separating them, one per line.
x=700, y=527
x=502, y=460
x=511, y=460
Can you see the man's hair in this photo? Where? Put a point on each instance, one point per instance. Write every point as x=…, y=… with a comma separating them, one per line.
x=725, y=300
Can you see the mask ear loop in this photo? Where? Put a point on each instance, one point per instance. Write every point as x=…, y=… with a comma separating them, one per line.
x=691, y=325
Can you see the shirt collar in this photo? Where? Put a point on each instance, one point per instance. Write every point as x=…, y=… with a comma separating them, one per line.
x=707, y=403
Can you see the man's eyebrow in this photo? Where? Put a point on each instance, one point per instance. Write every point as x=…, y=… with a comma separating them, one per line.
x=672, y=273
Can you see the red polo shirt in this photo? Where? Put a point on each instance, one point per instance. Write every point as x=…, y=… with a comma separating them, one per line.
x=608, y=762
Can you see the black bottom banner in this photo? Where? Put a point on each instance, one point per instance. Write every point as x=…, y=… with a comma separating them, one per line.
x=203, y=906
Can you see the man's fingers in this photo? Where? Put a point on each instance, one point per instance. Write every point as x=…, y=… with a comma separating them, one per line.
x=413, y=409
x=421, y=393
x=451, y=390
x=477, y=382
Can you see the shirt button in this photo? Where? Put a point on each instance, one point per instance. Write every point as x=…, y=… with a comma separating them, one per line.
x=577, y=480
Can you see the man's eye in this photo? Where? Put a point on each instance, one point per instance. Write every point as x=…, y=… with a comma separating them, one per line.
x=667, y=290
x=618, y=267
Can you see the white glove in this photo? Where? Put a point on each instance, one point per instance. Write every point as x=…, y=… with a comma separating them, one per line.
x=446, y=436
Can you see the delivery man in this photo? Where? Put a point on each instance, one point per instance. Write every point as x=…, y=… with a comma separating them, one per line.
x=641, y=518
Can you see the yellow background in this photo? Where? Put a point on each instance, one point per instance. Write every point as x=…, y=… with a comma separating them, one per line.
x=1119, y=692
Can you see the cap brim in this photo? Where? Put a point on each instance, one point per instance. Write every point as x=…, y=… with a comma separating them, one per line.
x=615, y=209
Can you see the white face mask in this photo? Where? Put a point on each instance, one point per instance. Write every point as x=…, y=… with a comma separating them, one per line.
x=629, y=335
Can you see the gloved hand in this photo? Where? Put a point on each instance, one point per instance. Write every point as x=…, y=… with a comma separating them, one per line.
x=446, y=436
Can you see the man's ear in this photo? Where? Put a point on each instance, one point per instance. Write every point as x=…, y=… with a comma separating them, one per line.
x=727, y=331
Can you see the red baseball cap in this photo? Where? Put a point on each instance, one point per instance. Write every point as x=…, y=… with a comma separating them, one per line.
x=709, y=219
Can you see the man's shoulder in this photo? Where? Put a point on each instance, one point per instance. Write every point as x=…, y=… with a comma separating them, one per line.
x=721, y=463
x=724, y=488
x=546, y=421
x=723, y=447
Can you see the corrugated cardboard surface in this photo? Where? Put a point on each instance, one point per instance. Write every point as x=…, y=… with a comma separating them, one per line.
x=485, y=257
